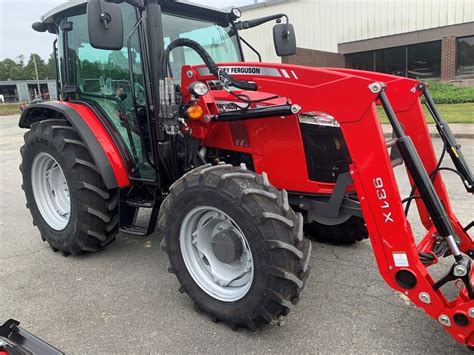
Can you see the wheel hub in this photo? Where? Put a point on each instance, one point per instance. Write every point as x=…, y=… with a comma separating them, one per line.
x=227, y=246
x=216, y=253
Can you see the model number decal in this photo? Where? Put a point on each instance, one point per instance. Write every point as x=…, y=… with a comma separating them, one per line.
x=382, y=196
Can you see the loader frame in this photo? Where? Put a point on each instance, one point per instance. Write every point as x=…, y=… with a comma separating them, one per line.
x=372, y=173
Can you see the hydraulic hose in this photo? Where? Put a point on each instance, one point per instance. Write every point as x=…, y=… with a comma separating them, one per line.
x=221, y=74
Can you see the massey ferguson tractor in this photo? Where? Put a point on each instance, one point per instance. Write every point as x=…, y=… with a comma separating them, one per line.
x=237, y=161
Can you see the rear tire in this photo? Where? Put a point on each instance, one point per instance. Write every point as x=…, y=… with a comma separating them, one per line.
x=273, y=232
x=93, y=216
x=349, y=232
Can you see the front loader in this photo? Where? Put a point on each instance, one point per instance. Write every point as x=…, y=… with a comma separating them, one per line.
x=235, y=161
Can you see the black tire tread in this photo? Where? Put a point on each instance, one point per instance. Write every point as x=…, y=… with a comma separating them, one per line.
x=296, y=249
x=101, y=226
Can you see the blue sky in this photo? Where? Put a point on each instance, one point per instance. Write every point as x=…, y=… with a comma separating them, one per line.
x=16, y=17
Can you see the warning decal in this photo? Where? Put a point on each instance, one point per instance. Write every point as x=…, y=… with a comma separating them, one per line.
x=400, y=259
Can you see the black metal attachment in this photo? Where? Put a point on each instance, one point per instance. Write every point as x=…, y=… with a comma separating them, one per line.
x=264, y=112
x=331, y=209
x=453, y=148
x=461, y=269
x=16, y=340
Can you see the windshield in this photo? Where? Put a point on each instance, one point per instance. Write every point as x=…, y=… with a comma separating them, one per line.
x=217, y=39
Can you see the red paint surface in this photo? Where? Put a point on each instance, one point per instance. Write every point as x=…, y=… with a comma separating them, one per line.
x=103, y=137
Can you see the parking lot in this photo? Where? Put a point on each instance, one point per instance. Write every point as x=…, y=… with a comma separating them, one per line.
x=122, y=299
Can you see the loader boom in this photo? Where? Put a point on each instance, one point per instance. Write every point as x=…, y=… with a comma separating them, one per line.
x=373, y=175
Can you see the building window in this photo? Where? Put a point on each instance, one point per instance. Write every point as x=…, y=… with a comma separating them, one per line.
x=418, y=61
x=391, y=61
x=424, y=60
x=465, y=57
x=362, y=61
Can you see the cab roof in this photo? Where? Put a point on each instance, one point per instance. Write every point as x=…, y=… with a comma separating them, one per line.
x=175, y=6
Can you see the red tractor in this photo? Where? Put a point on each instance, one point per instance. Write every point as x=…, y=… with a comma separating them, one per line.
x=236, y=161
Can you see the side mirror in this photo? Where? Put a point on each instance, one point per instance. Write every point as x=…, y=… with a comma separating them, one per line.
x=105, y=25
x=284, y=39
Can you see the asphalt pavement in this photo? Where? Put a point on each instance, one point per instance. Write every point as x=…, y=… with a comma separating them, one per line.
x=123, y=300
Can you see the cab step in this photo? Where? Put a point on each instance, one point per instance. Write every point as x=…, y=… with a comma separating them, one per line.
x=129, y=208
x=134, y=230
x=139, y=202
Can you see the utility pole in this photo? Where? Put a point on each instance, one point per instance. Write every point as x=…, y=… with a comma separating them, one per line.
x=37, y=77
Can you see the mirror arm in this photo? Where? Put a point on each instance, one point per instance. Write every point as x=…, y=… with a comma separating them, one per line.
x=104, y=17
x=245, y=25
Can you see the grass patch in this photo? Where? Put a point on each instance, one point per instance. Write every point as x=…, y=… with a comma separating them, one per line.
x=454, y=113
x=445, y=93
x=9, y=109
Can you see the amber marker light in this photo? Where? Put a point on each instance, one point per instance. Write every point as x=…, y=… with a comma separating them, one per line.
x=195, y=112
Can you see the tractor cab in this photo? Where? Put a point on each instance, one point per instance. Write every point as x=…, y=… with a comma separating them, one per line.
x=109, y=63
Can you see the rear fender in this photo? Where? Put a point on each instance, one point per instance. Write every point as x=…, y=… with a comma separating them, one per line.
x=100, y=144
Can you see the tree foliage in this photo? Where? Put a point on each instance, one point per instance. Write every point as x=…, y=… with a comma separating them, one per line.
x=19, y=69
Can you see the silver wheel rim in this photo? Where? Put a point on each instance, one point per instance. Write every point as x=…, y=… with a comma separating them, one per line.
x=51, y=191
x=226, y=282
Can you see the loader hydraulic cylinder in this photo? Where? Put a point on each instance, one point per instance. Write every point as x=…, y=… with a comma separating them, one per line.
x=421, y=179
x=452, y=147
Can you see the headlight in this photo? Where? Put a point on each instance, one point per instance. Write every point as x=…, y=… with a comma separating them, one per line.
x=199, y=88
x=318, y=118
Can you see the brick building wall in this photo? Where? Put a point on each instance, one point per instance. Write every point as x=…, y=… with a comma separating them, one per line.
x=314, y=58
x=448, y=58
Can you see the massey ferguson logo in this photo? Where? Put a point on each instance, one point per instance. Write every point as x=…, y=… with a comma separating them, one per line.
x=242, y=70
x=382, y=196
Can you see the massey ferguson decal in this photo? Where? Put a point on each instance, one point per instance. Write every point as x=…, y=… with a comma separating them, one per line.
x=245, y=70
x=226, y=106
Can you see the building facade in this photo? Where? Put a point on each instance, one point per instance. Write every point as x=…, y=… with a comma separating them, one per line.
x=27, y=90
x=424, y=39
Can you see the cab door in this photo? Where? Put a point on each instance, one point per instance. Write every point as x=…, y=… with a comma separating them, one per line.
x=112, y=81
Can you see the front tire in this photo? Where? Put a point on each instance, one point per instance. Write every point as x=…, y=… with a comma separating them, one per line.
x=267, y=241
x=65, y=194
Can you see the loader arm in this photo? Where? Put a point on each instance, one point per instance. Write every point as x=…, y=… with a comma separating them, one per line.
x=351, y=97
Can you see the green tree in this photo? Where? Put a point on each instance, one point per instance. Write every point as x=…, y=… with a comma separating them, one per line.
x=11, y=70
x=29, y=69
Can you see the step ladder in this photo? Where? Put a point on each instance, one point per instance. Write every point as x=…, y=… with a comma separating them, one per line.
x=129, y=208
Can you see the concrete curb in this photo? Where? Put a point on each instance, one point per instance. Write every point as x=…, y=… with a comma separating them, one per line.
x=460, y=130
